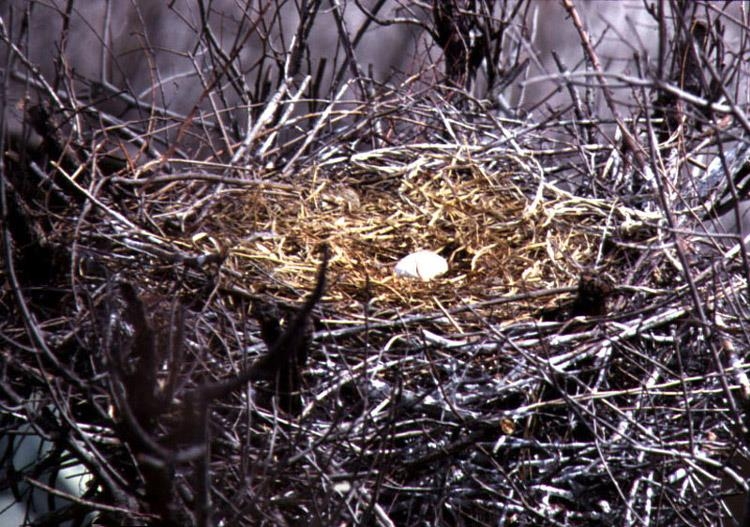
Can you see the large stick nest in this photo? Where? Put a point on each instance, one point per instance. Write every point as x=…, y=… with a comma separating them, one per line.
x=581, y=362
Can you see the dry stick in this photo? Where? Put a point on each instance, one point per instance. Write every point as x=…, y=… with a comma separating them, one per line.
x=637, y=150
x=322, y=121
x=97, y=506
x=16, y=52
x=630, y=141
x=237, y=76
x=279, y=354
x=351, y=58
x=264, y=118
x=691, y=281
x=737, y=112
x=217, y=76
x=284, y=345
x=36, y=333
x=403, y=321
x=113, y=123
x=285, y=120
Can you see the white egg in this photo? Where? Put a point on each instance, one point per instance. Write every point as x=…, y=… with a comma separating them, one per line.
x=425, y=265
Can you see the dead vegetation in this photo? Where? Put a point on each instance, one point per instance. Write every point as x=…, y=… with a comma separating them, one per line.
x=201, y=313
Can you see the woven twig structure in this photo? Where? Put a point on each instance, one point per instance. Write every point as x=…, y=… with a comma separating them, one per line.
x=172, y=326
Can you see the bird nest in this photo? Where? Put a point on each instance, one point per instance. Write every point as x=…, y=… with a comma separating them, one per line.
x=568, y=369
x=373, y=208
